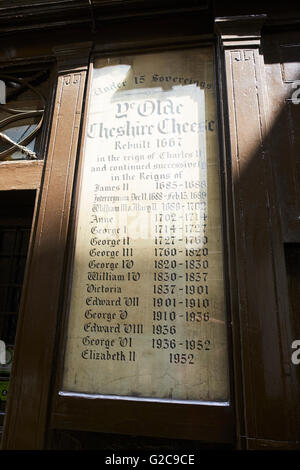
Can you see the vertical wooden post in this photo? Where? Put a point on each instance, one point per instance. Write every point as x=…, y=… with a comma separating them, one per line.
x=263, y=355
x=29, y=388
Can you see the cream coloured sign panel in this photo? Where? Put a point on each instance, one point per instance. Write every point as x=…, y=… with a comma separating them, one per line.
x=147, y=309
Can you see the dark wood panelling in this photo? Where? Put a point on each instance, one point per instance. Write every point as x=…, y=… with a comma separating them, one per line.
x=265, y=329
x=81, y=440
x=30, y=382
x=22, y=14
x=282, y=56
x=292, y=257
x=171, y=420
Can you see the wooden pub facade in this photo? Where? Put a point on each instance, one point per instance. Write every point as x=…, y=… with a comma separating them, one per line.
x=220, y=369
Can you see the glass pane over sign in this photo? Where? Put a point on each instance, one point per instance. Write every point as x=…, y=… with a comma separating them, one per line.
x=147, y=309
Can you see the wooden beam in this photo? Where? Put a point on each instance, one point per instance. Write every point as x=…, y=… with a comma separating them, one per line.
x=21, y=175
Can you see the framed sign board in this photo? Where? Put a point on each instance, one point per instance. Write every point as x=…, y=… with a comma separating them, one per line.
x=147, y=310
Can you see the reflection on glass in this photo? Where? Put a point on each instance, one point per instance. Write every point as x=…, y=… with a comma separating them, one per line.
x=21, y=116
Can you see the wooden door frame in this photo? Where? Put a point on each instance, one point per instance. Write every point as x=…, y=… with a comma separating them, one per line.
x=202, y=422
x=262, y=333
